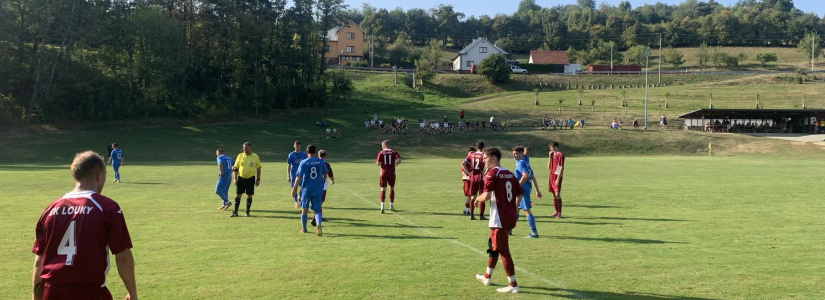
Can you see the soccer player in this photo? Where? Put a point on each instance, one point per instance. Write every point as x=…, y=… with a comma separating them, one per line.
x=387, y=159
x=116, y=160
x=465, y=178
x=292, y=161
x=501, y=188
x=247, y=177
x=330, y=180
x=74, y=236
x=526, y=179
x=556, y=166
x=474, y=165
x=224, y=178
x=311, y=175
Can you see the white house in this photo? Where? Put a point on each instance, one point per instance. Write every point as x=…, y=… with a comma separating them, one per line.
x=471, y=55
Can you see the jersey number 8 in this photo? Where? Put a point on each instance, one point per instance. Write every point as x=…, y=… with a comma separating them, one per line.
x=509, y=187
x=313, y=173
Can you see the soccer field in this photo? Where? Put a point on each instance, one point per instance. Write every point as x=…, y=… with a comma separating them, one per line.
x=664, y=227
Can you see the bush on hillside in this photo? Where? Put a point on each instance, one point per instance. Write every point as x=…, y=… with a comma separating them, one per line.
x=495, y=68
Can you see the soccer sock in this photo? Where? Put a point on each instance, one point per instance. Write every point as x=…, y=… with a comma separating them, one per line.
x=559, y=209
x=512, y=280
x=237, y=204
x=489, y=269
x=556, y=205
x=248, y=204
x=318, y=218
x=481, y=209
x=472, y=207
x=392, y=196
x=531, y=222
x=383, y=195
x=304, y=221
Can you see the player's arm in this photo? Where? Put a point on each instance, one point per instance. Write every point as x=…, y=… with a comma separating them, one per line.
x=258, y=177
x=126, y=269
x=524, y=178
x=288, y=170
x=484, y=197
x=536, y=185
x=37, y=282
x=295, y=185
x=397, y=159
x=560, y=172
x=220, y=170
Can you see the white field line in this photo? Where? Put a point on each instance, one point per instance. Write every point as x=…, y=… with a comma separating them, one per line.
x=471, y=248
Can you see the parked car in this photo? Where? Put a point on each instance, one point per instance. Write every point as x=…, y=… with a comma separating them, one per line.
x=518, y=70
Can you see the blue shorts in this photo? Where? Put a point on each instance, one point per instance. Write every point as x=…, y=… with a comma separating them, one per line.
x=313, y=202
x=525, y=203
x=222, y=187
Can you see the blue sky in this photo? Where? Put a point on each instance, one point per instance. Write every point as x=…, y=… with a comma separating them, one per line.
x=493, y=7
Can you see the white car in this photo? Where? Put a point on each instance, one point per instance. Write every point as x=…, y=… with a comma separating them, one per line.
x=518, y=70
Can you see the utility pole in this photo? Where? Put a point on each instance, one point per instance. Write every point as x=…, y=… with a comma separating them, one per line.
x=813, y=49
x=611, y=59
x=371, y=49
x=647, y=66
x=660, y=59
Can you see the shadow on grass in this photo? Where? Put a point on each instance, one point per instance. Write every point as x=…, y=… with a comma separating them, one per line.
x=396, y=225
x=144, y=183
x=593, y=206
x=31, y=167
x=581, y=294
x=390, y=237
x=434, y=213
x=635, y=219
x=565, y=221
x=615, y=240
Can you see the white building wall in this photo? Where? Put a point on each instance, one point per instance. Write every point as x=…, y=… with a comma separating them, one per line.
x=473, y=55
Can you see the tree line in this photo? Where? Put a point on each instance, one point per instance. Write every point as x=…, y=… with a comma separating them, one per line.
x=106, y=60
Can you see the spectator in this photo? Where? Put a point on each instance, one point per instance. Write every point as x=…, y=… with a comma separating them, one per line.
x=635, y=123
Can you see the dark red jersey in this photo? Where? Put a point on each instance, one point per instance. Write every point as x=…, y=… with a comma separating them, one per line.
x=475, y=162
x=505, y=188
x=388, y=158
x=556, y=161
x=74, y=236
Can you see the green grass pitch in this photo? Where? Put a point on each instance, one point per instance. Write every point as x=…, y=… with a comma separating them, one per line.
x=664, y=227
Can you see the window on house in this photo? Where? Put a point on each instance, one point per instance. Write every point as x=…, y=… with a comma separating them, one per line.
x=327, y=48
x=482, y=50
x=350, y=49
x=350, y=35
x=470, y=63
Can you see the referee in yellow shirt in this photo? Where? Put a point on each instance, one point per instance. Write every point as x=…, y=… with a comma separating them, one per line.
x=247, y=177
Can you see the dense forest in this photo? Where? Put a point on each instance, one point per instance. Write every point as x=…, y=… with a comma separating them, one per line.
x=105, y=60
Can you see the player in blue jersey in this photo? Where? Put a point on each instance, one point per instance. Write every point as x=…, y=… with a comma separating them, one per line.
x=116, y=160
x=311, y=174
x=524, y=174
x=224, y=178
x=292, y=162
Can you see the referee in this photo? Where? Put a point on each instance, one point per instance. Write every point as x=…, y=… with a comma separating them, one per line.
x=247, y=177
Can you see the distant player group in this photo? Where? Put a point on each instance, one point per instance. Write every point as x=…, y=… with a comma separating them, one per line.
x=77, y=231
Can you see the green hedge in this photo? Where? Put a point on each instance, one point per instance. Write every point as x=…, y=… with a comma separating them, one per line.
x=543, y=68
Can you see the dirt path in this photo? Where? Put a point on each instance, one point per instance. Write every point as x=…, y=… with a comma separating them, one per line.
x=818, y=139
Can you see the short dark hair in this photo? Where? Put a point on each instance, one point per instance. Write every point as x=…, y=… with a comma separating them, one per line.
x=86, y=163
x=296, y=143
x=518, y=149
x=311, y=149
x=480, y=145
x=247, y=144
x=220, y=150
x=554, y=144
x=493, y=152
x=471, y=149
x=114, y=145
x=322, y=153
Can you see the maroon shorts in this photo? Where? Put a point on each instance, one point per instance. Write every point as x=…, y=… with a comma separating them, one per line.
x=386, y=179
x=476, y=186
x=467, y=188
x=51, y=292
x=501, y=239
x=552, y=184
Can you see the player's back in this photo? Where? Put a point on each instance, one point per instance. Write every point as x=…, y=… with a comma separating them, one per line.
x=312, y=172
x=476, y=160
x=117, y=154
x=505, y=187
x=387, y=159
x=226, y=164
x=74, y=235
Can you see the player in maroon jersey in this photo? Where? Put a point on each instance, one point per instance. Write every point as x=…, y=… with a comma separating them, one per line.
x=556, y=166
x=387, y=159
x=74, y=236
x=465, y=178
x=474, y=165
x=501, y=188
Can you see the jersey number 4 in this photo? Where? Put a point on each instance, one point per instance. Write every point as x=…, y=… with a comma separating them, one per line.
x=67, y=244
